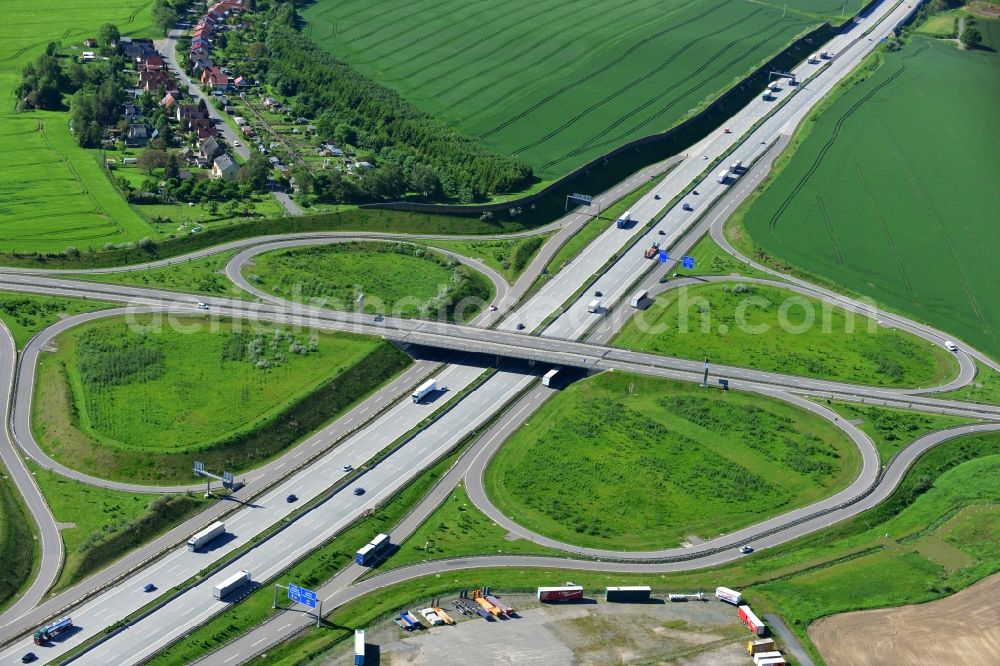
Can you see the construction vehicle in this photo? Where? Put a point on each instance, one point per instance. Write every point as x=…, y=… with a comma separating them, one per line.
x=409, y=620
x=504, y=608
x=50, y=631
x=653, y=250
x=432, y=618
x=444, y=616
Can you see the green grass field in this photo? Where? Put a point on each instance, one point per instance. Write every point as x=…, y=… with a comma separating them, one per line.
x=201, y=276
x=558, y=85
x=106, y=523
x=118, y=401
x=741, y=324
x=894, y=429
x=27, y=314
x=18, y=545
x=396, y=278
x=507, y=257
x=637, y=463
x=880, y=199
x=53, y=194
x=985, y=387
x=458, y=528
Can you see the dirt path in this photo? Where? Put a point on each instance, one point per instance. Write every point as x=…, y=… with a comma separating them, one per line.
x=961, y=629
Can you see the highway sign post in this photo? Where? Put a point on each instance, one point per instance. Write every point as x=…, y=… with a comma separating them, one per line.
x=227, y=478
x=300, y=595
x=687, y=262
x=584, y=199
x=663, y=256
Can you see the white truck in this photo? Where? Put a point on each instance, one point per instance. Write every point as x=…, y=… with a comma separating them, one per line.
x=639, y=299
x=550, y=376
x=814, y=59
x=723, y=176
x=231, y=584
x=736, y=166
x=425, y=388
x=594, y=305
x=729, y=596
x=206, y=535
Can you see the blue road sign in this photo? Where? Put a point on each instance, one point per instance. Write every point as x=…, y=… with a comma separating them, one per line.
x=687, y=262
x=301, y=595
x=663, y=256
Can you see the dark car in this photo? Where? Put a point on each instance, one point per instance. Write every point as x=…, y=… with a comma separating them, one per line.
x=28, y=658
x=520, y=327
x=291, y=498
x=359, y=491
x=662, y=232
x=746, y=549
x=149, y=587
x=598, y=293
x=656, y=196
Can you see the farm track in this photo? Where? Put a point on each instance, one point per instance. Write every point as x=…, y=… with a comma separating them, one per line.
x=829, y=227
x=514, y=57
x=636, y=81
x=944, y=237
x=422, y=68
x=421, y=37
x=590, y=145
x=581, y=81
x=886, y=233
x=773, y=223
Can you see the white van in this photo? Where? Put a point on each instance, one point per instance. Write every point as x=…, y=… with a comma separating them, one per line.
x=950, y=346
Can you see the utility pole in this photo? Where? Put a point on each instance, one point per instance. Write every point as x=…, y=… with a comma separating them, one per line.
x=704, y=382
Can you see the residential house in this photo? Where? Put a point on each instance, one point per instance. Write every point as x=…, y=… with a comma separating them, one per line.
x=241, y=83
x=131, y=112
x=187, y=112
x=201, y=53
x=138, y=136
x=224, y=167
x=202, y=125
x=154, y=61
x=206, y=132
x=210, y=148
x=90, y=43
x=270, y=103
x=214, y=78
x=168, y=101
x=201, y=44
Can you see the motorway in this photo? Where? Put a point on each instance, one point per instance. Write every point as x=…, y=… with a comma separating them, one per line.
x=486, y=400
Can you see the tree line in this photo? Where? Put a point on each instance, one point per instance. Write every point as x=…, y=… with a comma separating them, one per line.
x=414, y=151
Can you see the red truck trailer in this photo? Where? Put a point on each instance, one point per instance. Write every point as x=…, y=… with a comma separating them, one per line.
x=752, y=622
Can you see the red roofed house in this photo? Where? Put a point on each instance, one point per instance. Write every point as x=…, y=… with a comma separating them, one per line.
x=154, y=61
x=214, y=78
x=200, y=43
x=241, y=83
x=168, y=101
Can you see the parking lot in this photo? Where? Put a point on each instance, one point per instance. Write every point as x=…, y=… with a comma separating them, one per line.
x=593, y=632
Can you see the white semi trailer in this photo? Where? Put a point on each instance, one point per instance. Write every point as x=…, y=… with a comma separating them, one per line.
x=425, y=388
x=206, y=535
x=231, y=584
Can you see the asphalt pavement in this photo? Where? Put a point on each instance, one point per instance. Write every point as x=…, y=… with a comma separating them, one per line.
x=462, y=337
